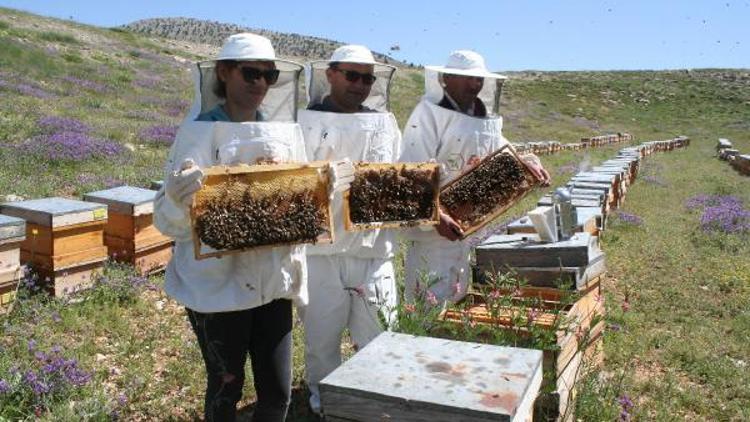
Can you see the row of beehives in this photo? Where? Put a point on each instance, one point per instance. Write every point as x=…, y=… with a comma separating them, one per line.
x=66, y=242
x=401, y=377
x=553, y=147
x=726, y=152
x=554, y=265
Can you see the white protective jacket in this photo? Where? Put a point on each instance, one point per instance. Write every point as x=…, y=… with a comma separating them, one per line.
x=451, y=138
x=369, y=137
x=238, y=281
x=454, y=140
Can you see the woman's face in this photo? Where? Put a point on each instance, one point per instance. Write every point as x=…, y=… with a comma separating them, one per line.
x=247, y=83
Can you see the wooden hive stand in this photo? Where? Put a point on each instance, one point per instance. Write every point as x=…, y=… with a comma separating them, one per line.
x=12, y=234
x=130, y=234
x=64, y=241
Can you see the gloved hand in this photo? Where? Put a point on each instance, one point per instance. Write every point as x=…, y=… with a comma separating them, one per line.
x=341, y=175
x=181, y=185
x=534, y=164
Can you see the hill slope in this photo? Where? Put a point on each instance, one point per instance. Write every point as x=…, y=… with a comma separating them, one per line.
x=214, y=33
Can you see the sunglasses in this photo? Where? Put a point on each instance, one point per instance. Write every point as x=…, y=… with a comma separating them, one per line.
x=252, y=74
x=354, y=76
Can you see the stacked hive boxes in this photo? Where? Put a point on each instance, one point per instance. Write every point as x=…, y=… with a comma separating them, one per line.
x=12, y=234
x=64, y=241
x=567, y=276
x=130, y=234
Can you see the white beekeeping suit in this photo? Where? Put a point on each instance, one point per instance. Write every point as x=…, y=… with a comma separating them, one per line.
x=256, y=277
x=455, y=140
x=353, y=278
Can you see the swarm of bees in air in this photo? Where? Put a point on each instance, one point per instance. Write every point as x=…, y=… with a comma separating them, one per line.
x=488, y=187
x=392, y=194
x=246, y=221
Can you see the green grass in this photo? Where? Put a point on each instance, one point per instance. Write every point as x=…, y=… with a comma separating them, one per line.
x=681, y=351
x=58, y=37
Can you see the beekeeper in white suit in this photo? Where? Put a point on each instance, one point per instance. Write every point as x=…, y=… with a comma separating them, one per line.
x=240, y=304
x=353, y=278
x=454, y=126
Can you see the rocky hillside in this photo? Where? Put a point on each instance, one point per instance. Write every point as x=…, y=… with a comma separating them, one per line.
x=210, y=32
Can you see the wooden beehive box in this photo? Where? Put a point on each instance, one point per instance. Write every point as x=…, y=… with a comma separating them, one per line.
x=261, y=206
x=483, y=192
x=130, y=234
x=609, y=196
x=632, y=162
x=580, y=200
x=12, y=234
x=580, y=325
x=741, y=163
x=589, y=219
x=576, y=260
x=424, y=209
x=64, y=240
x=612, y=180
x=621, y=170
x=399, y=377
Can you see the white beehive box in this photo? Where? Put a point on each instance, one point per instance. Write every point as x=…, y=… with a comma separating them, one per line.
x=400, y=377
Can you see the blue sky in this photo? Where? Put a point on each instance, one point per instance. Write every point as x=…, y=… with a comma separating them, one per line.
x=512, y=35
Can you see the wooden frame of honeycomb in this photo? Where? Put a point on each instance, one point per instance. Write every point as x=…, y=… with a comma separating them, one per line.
x=432, y=172
x=470, y=207
x=263, y=198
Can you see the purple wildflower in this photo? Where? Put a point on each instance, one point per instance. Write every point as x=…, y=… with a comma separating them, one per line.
x=160, y=134
x=629, y=218
x=626, y=405
x=86, y=84
x=28, y=90
x=148, y=82
x=31, y=345
x=86, y=179
x=138, y=281
x=703, y=201
x=721, y=213
x=726, y=218
x=33, y=91
x=51, y=124
x=70, y=146
x=122, y=399
x=176, y=108
x=4, y=386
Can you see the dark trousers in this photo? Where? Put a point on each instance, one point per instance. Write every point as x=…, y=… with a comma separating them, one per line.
x=225, y=339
